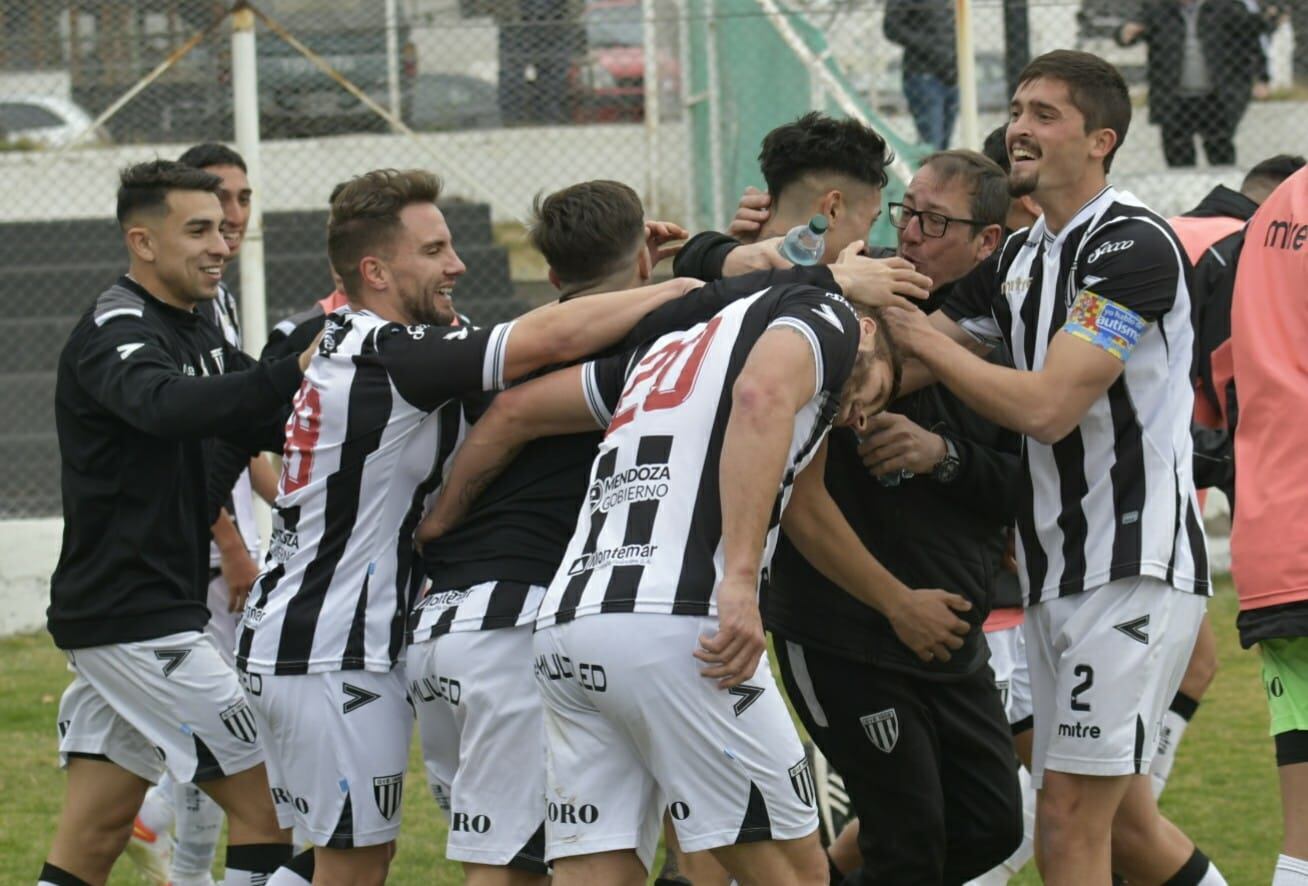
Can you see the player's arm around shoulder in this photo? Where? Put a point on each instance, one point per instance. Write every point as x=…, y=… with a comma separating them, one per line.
x=555, y=403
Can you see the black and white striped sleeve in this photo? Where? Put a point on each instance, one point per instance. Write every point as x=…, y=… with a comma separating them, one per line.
x=603, y=381
x=432, y=364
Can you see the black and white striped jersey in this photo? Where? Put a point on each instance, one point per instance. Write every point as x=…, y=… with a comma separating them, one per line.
x=1115, y=498
x=649, y=536
x=373, y=424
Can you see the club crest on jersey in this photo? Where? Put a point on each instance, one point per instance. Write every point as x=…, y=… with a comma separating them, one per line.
x=882, y=729
x=801, y=779
x=239, y=720
x=387, y=791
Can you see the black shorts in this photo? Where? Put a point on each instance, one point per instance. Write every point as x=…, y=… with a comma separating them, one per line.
x=929, y=765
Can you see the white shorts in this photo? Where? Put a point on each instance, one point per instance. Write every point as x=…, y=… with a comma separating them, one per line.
x=483, y=742
x=338, y=745
x=1012, y=678
x=1104, y=666
x=169, y=703
x=632, y=728
x=222, y=624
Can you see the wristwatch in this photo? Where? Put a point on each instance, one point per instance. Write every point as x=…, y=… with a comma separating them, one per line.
x=946, y=470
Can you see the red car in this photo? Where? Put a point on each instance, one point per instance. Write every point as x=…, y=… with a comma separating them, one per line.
x=608, y=85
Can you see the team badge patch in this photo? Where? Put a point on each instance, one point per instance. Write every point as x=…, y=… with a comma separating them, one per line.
x=1105, y=324
x=387, y=791
x=882, y=729
x=239, y=721
x=801, y=779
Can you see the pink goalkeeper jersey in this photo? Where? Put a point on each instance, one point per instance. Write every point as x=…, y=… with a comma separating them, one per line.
x=1269, y=344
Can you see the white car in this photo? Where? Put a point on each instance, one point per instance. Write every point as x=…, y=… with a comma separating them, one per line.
x=45, y=121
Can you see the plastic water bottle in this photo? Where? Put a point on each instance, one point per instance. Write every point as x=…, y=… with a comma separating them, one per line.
x=806, y=243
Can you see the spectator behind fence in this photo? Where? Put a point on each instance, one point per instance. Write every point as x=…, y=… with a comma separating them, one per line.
x=1203, y=58
x=925, y=28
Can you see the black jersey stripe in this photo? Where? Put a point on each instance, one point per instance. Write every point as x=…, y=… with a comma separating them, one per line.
x=1069, y=458
x=704, y=528
x=408, y=579
x=505, y=605
x=1030, y=310
x=369, y=407
x=580, y=570
x=624, y=581
x=1128, y=478
x=354, y=654
x=1037, y=562
x=1198, y=548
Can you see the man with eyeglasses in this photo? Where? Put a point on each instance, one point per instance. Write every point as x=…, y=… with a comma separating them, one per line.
x=919, y=734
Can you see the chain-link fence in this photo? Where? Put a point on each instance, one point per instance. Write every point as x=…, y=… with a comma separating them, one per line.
x=508, y=98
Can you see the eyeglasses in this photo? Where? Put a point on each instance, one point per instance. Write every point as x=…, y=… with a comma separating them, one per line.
x=933, y=224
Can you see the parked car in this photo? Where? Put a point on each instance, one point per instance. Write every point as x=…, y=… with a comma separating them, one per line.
x=45, y=121
x=454, y=101
x=608, y=84
x=297, y=99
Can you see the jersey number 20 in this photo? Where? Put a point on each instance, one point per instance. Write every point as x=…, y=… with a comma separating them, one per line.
x=665, y=392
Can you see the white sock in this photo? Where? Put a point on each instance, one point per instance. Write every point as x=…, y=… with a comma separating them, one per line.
x=1169, y=738
x=1213, y=877
x=157, y=809
x=287, y=875
x=199, y=826
x=254, y=865
x=1290, y=871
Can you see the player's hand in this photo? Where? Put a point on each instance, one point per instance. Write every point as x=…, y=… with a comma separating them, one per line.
x=431, y=528
x=761, y=256
x=659, y=233
x=925, y=622
x=307, y=354
x=894, y=442
x=733, y=653
x=911, y=329
x=239, y=572
x=879, y=282
x=752, y=213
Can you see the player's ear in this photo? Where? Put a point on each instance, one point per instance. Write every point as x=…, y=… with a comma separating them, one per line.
x=833, y=204
x=644, y=265
x=373, y=272
x=554, y=279
x=140, y=242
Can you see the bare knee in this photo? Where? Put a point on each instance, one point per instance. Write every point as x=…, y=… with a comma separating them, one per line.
x=366, y=866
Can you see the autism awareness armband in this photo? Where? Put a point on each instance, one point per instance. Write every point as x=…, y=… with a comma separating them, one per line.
x=1105, y=324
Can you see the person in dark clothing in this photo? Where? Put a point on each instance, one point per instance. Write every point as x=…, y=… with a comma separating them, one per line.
x=925, y=28
x=1203, y=59
x=142, y=381
x=921, y=740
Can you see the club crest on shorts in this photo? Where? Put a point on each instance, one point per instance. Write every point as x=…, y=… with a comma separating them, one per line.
x=387, y=791
x=239, y=720
x=801, y=779
x=882, y=729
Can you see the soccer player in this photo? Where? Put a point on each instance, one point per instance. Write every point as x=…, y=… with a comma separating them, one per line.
x=142, y=382
x=866, y=696
x=1092, y=302
x=233, y=556
x=1269, y=560
x=706, y=432
x=324, y=628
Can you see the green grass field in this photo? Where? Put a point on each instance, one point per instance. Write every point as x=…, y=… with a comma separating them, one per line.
x=1223, y=791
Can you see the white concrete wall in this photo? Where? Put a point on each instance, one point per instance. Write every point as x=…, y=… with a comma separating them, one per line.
x=28, y=551
x=503, y=167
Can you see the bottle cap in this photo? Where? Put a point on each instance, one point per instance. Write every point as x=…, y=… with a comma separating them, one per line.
x=818, y=223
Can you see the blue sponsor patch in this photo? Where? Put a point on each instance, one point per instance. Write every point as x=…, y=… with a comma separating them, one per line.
x=1105, y=324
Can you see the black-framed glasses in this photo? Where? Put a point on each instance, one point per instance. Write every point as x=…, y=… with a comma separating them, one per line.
x=933, y=223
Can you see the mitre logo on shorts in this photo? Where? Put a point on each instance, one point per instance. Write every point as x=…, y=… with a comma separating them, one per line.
x=801, y=779
x=626, y=555
x=882, y=729
x=641, y=483
x=239, y=721
x=387, y=790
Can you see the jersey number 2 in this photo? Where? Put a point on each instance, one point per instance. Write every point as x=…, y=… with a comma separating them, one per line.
x=665, y=393
x=301, y=438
